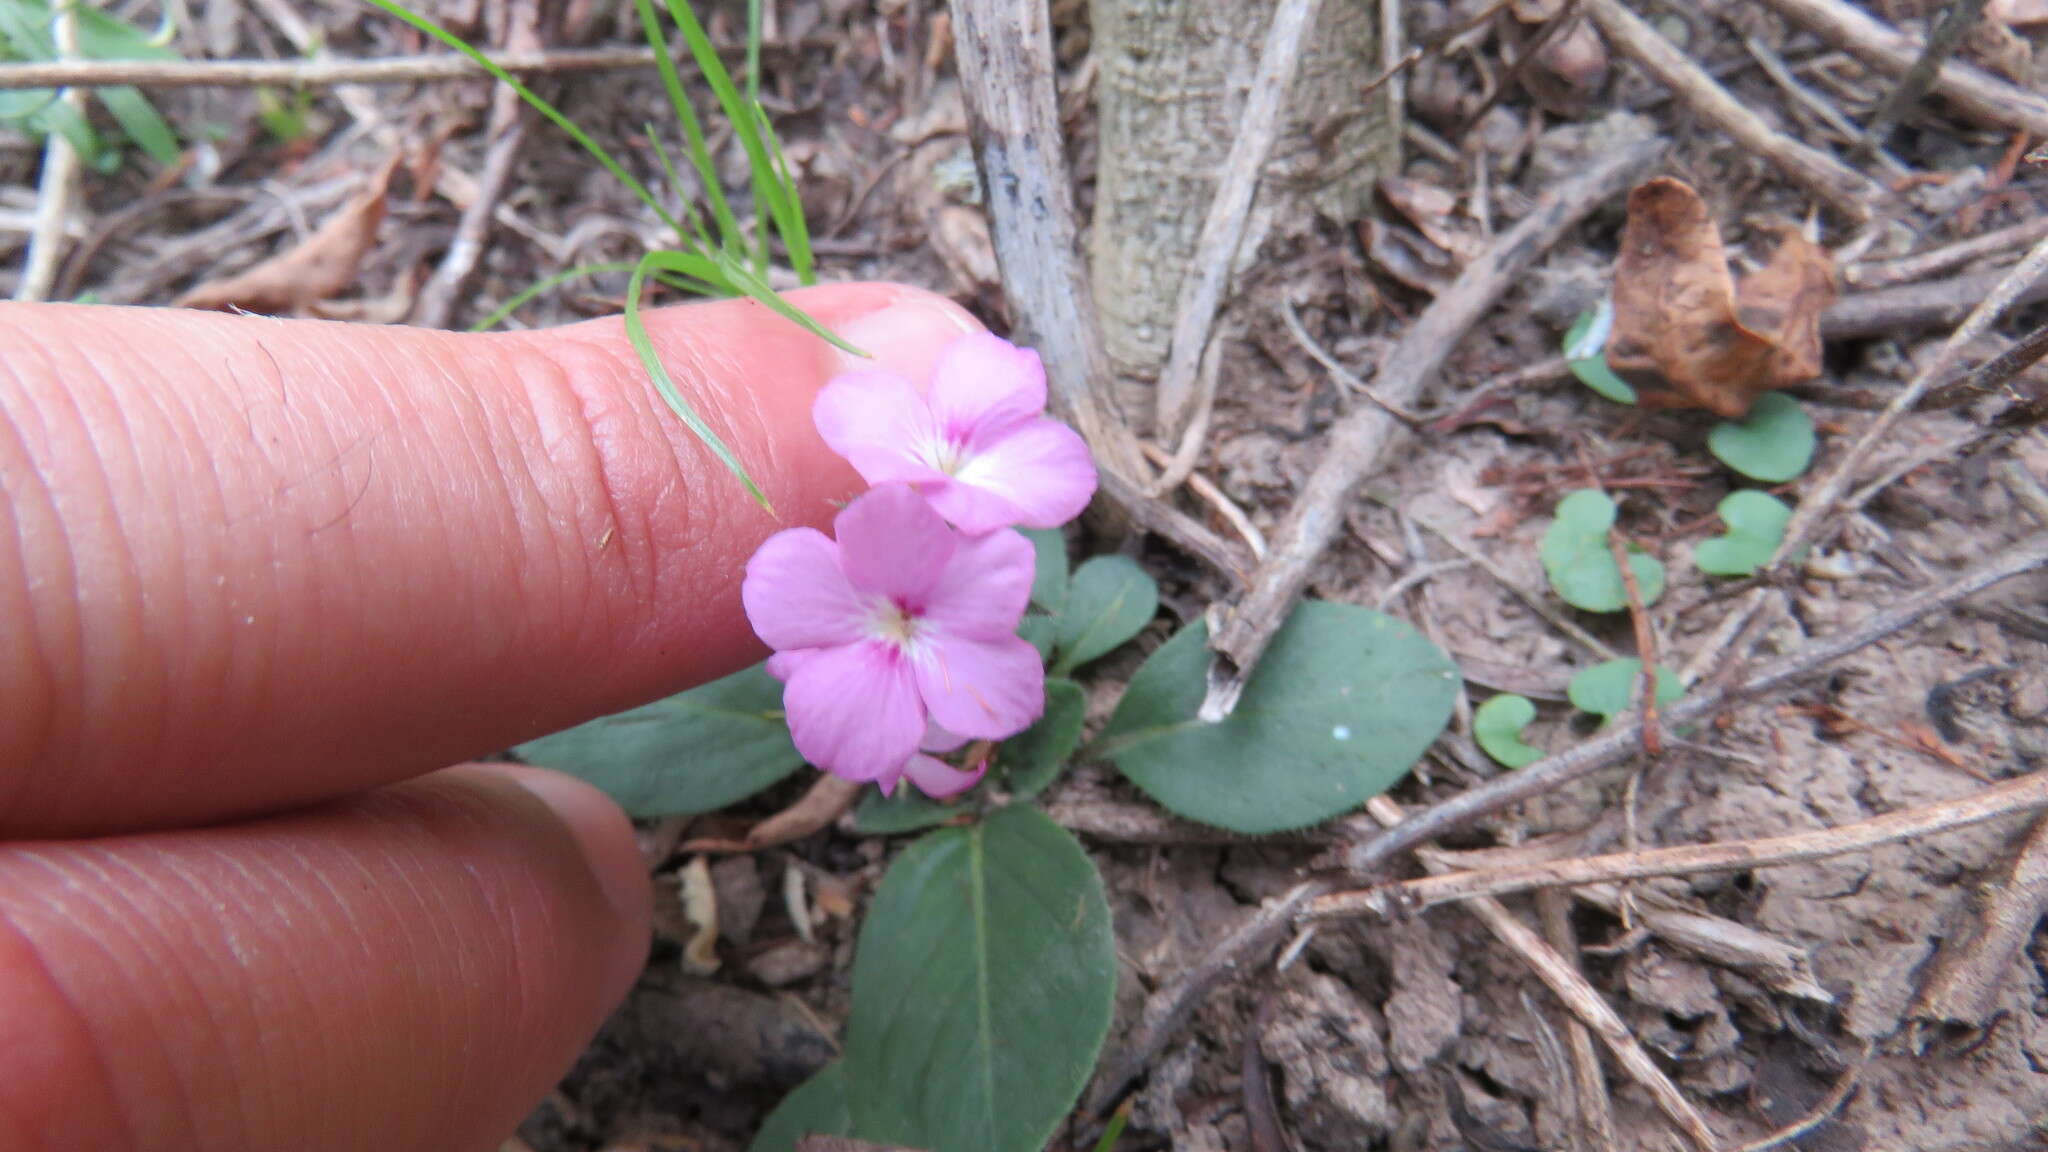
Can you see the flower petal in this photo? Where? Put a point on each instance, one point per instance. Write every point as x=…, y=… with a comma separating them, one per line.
x=854, y=710
x=985, y=689
x=797, y=595
x=783, y=665
x=937, y=739
x=983, y=385
x=891, y=543
x=940, y=780
x=1040, y=475
x=880, y=424
x=985, y=586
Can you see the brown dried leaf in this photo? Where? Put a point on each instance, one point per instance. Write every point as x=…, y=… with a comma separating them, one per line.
x=700, y=908
x=827, y=800
x=1684, y=337
x=321, y=267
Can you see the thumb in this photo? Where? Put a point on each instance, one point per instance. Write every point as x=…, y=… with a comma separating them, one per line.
x=295, y=559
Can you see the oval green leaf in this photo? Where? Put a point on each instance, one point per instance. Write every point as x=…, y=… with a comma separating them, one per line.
x=1110, y=600
x=981, y=989
x=816, y=1107
x=1773, y=445
x=1581, y=566
x=1756, y=526
x=1049, y=576
x=1605, y=689
x=1497, y=726
x=1342, y=704
x=1585, y=353
x=1025, y=764
x=693, y=752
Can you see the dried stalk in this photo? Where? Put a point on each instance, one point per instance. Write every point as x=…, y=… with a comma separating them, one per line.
x=2023, y=794
x=1962, y=984
x=1595, y=1111
x=1918, y=307
x=47, y=239
x=1819, y=501
x=1201, y=292
x=1913, y=86
x=1836, y=184
x=320, y=73
x=1887, y=49
x=1357, y=441
x=1622, y=740
x=1993, y=374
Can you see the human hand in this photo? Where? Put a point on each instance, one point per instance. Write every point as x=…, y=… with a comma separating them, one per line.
x=255, y=573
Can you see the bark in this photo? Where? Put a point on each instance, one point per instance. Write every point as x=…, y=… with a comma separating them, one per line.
x=1171, y=89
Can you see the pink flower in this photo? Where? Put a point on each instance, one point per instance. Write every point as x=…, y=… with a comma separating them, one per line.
x=899, y=635
x=976, y=442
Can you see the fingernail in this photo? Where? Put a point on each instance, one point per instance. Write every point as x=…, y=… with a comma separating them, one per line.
x=601, y=831
x=907, y=336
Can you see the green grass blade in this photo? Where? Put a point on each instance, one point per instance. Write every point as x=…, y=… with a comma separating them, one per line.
x=544, y=284
x=636, y=334
x=555, y=115
x=744, y=117
x=141, y=121
x=747, y=283
x=668, y=172
x=797, y=240
x=693, y=132
x=753, y=51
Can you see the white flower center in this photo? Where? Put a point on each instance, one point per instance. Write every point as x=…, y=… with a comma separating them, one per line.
x=895, y=624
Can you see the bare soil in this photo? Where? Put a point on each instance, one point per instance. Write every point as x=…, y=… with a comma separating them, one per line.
x=1423, y=1034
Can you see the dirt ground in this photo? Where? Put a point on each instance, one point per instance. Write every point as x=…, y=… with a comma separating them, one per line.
x=1425, y=1033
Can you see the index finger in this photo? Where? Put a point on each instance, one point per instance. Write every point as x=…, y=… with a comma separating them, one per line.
x=248, y=563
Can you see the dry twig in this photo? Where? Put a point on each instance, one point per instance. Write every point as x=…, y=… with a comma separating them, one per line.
x=1356, y=442
x=324, y=72
x=1579, y=997
x=1914, y=84
x=1594, y=1109
x=1918, y=307
x=1947, y=258
x=1201, y=291
x=1621, y=740
x=1889, y=50
x=1839, y=186
x=47, y=239
x=2023, y=794
x=1961, y=990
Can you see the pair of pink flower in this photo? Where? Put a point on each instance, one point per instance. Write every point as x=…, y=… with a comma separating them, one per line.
x=899, y=637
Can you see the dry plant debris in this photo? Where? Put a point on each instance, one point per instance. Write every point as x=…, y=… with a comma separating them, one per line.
x=1685, y=336
x=319, y=268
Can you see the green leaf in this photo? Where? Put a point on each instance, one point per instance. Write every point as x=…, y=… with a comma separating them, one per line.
x=1025, y=764
x=139, y=119
x=1756, y=526
x=1497, y=726
x=1041, y=631
x=694, y=752
x=981, y=989
x=1579, y=563
x=1342, y=704
x=636, y=334
x=1773, y=445
x=1585, y=353
x=1049, y=577
x=1110, y=600
x=1604, y=689
x=817, y=1107
x=544, y=284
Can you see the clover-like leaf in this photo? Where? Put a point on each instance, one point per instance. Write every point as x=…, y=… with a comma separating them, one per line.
x=1773, y=445
x=693, y=752
x=816, y=1107
x=982, y=988
x=1025, y=764
x=1605, y=689
x=1585, y=353
x=1341, y=705
x=1756, y=526
x=1109, y=601
x=1497, y=726
x=1580, y=564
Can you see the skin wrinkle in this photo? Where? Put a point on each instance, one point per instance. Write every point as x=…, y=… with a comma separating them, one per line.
x=558, y=443
x=30, y=674
x=284, y=1064
x=85, y=999
x=58, y=998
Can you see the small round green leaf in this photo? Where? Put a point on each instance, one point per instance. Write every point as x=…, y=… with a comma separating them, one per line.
x=1585, y=353
x=694, y=752
x=1497, y=726
x=1756, y=526
x=1773, y=445
x=816, y=1107
x=1342, y=704
x=982, y=988
x=1581, y=566
x=1041, y=632
x=1110, y=600
x=1605, y=689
